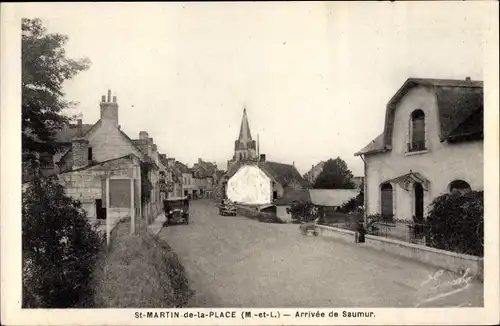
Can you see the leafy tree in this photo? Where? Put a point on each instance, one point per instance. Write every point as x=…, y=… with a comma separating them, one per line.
x=355, y=204
x=335, y=175
x=44, y=70
x=302, y=211
x=456, y=222
x=59, y=247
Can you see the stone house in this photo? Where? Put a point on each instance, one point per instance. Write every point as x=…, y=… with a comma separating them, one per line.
x=204, y=174
x=171, y=178
x=98, y=161
x=432, y=143
x=261, y=182
x=189, y=187
x=314, y=172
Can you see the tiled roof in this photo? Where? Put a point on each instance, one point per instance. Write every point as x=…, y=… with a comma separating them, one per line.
x=375, y=146
x=70, y=131
x=460, y=110
x=181, y=167
x=331, y=197
x=290, y=195
x=282, y=173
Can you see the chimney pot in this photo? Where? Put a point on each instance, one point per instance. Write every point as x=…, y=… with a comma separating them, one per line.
x=262, y=157
x=114, y=99
x=109, y=95
x=103, y=98
x=467, y=78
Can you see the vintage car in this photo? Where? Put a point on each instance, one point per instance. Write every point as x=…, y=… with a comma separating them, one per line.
x=176, y=210
x=226, y=208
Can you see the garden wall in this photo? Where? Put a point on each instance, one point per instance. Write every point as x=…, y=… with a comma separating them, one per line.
x=451, y=261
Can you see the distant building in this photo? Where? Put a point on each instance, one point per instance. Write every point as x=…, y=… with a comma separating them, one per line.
x=314, y=172
x=205, y=174
x=432, y=143
x=261, y=182
x=251, y=179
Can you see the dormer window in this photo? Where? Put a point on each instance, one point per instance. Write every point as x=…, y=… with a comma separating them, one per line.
x=416, y=142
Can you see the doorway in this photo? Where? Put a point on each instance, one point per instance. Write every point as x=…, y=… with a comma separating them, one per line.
x=419, y=201
x=100, y=210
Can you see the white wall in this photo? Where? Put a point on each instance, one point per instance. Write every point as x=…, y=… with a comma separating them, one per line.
x=442, y=163
x=249, y=185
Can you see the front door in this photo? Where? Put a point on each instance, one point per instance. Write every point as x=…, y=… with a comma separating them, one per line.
x=419, y=201
x=100, y=211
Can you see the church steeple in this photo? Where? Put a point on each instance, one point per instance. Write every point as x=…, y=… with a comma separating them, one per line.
x=245, y=146
x=245, y=134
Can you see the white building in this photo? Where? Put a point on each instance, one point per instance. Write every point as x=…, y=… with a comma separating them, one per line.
x=432, y=143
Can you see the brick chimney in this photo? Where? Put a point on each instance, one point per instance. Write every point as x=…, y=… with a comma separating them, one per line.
x=262, y=157
x=143, y=135
x=80, y=149
x=79, y=128
x=467, y=78
x=109, y=110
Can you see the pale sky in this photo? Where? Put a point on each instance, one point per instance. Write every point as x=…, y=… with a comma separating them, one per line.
x=314, y=77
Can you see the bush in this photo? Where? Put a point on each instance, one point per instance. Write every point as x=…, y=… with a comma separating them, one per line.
x=455, y=223
x=59, y=247
x=302, y=211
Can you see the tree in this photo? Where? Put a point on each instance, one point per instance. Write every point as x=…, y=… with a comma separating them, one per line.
x=59, y=247
x=335, y=175
x=44, y=70
x=355, y=204
x=456, y=222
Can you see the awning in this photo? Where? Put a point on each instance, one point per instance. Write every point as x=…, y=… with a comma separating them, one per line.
x=408, y=179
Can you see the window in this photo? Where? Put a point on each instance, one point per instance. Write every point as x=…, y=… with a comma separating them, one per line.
x=89, y=154
x=459, y=185
x=417, y=132
x=386, y=202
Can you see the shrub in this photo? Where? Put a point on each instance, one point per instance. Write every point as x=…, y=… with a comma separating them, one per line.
x=455, y=223
x=59, y=247
x=302, y=211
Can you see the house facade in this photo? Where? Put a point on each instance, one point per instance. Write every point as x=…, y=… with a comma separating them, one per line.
x=100, y=161
x=261, y=182
x=204, y=174
x=432, y=144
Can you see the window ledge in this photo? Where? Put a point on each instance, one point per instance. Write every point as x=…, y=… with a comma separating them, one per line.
x=425, y=151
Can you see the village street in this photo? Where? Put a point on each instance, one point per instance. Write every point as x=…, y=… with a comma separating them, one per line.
x=239, y=262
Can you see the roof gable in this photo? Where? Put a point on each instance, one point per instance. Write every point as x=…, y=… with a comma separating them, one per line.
x=457, y=102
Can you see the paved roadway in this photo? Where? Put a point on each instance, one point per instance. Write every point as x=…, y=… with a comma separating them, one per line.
x=233, y=261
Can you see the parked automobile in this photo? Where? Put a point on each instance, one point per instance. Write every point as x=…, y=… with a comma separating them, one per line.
x=176, y=210
x=226, y=208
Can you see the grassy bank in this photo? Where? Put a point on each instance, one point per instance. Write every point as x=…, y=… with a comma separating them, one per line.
x=139, y=271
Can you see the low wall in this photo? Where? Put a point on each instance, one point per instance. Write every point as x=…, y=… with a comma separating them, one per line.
x=451, y=261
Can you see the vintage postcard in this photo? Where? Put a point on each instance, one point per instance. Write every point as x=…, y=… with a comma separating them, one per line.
x=250, y=163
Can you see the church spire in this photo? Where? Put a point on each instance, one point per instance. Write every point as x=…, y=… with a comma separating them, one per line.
x=245, y=134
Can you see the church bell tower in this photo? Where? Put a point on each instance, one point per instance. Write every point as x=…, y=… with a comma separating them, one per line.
x=245, y=148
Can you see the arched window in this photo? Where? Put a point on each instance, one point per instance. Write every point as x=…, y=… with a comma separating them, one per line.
x=386, y=201
x=459, y=185
x=417, y=131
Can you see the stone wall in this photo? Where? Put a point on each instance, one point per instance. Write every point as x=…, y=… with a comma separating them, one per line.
x=89, y=184
x=447, y=260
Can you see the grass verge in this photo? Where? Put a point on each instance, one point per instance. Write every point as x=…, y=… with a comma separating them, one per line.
x=139, y=271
